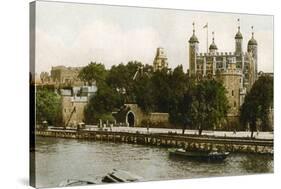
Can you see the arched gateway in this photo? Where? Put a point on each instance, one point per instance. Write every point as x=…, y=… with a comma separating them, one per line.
x=130, y=119
x=132, y=116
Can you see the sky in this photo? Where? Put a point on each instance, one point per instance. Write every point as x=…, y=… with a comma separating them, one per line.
x=74, y=34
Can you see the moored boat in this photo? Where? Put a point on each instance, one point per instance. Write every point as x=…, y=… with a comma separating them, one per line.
x=120, y=176
x=200, y=155
x=75, y=182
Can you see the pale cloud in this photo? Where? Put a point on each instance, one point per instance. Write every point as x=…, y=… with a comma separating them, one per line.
x=265, y=45
x=76, y=34
x=49, y=50
x=100, y=42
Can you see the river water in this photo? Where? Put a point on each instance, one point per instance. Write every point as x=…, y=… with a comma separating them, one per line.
x=59, y=159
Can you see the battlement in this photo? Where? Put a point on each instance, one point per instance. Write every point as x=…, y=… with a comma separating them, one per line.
x=79, y=99
x=66, y=68
x=79, y=93
x=65, y=92
x=235, y=71
x=219, y=54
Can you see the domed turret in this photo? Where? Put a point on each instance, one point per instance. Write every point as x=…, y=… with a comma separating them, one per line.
x=193, y=50
x=238, y=40
x=213, y=47
x=252, y=41
x=193, y=38
x=253, y=49
x=238, y=34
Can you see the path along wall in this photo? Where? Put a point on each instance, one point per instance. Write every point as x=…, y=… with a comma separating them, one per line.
x=165, y=140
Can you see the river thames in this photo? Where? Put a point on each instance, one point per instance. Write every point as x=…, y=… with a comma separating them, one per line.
x=60, y=159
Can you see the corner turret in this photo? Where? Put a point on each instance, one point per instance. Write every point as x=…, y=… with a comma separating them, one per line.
x=253, y=49
x=193, y=50
x=238, y=40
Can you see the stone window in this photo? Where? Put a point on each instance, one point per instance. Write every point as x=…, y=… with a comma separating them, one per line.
x=234, y=104
x=232, y=92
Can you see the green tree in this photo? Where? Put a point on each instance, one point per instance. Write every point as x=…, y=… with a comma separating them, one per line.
x=180, y=100
x=121, y=77
x=165, y=91
x=152, y=90
x=102, y=104
x=48, y=107
x=209, y=105
x=257, y=104
x=93, y=72
x=144, y=94
x=161, y=90
x=115, y=87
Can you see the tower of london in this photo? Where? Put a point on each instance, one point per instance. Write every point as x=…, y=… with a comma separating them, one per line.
x=236, y=70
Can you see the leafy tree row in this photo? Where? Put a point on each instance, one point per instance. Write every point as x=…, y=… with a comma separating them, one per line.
x=190, y=104
x=257, y=105
x=195, y=105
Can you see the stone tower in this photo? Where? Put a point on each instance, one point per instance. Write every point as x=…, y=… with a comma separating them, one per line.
x=160, y=60
x=231, y=79
x=253, y=49
x=238, y=41
x=193, y=50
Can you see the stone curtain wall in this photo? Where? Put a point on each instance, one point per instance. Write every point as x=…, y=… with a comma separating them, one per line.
x=71, y=116
x=142, y=119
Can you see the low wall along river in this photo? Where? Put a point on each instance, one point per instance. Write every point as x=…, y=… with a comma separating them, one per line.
x=189, y=142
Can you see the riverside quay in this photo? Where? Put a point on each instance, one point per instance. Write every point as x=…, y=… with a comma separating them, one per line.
x=171, y=138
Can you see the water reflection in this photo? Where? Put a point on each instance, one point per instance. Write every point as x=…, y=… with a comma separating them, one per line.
x=263, y=164
x=61, y=159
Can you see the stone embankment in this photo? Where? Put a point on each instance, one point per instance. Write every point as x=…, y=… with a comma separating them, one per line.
x=189, y=142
